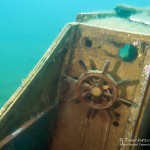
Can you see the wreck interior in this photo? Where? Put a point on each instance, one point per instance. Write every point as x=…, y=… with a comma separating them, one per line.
x=85, y=93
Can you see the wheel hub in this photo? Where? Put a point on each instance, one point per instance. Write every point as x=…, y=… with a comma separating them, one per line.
x=96, y=91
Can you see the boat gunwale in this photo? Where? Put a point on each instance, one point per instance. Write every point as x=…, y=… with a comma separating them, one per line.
x=102, y=27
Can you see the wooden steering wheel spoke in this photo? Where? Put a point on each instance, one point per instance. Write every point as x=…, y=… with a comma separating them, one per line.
x=83, y=66
x=106, y=66
x=86, y=86
x=87, y=94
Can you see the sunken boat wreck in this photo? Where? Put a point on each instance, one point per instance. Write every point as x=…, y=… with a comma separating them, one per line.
x=89, y=91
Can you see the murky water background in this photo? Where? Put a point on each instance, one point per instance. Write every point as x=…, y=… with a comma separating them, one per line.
x=28, y=27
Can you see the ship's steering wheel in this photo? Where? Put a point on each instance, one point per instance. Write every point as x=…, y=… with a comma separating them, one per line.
x=96, y=88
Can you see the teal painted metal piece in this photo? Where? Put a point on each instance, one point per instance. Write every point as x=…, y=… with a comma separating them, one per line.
x=128, y=53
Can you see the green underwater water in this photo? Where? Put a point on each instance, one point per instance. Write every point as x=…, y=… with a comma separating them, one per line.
x=27, y=28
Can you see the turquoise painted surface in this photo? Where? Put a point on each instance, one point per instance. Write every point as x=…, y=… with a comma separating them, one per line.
x=28, y=27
